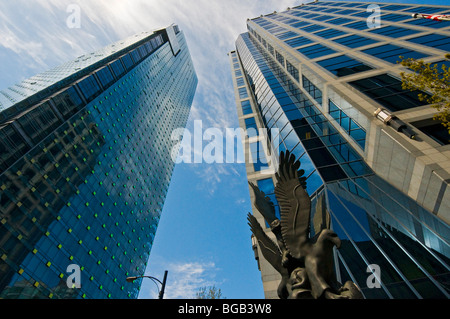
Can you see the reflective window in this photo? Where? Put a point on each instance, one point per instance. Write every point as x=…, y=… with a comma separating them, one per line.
x=292, y=70
x=427, y=23
x=127, y=61
x=355, y=41
x=337, y=4
x=143, y=50
x=296, y=42
x=276, y=29
x=319, y=154
x=313, y=28
x=296, y=12
x=258, y=156
x=240, y=81
x=312, y=90
x=344, y=12
x=339, y=21
x=391, y=53
x=362, y=14
x=437, y=41
x=435, y=130
x=394, y=17
x=243, y=94
x=279, y=57
x=300, y=24
x=118, y=68
x=354, y=4
x=393, y=31
x=440, y=64
x=430, y=10
x=379, y=202
x=149, y=47
x=246, y=107
x=395, y=7
x=359, y=25
x=388, y=91
x=136, y=56
x=317, y=50
x=89, y=87
x=12, y=147
x=266, y=186
x=330, y=33
x=68, y=102
x=251, y=127
x=105, y=76
x=348, y=124
x=314, y=16
x=287, y=35
x=343, y=65
x=39, y=123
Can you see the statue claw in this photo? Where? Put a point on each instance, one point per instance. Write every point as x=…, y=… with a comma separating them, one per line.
x=342, y=289
x=285, y=259
x=331, y=295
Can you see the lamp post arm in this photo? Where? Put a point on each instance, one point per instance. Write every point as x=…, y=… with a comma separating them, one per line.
x=151, y=278
x=163, y=283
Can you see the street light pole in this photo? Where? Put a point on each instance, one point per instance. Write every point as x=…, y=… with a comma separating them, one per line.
x=163, y=283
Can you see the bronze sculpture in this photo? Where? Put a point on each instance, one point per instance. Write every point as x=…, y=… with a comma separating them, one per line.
x=305, y=263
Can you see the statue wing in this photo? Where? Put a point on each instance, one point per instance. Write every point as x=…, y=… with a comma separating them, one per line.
x=322, y=219
x=264, y=204
x=295, y=204
x=269, y=248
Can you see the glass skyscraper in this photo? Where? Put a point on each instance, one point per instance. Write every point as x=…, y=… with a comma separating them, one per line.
x=85, y=159
x=325, y=74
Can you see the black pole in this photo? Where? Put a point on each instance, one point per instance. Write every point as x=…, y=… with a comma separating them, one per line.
x=163, y=286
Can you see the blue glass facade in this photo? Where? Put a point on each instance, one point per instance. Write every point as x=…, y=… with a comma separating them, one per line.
x=299, y=79
x=85, y=171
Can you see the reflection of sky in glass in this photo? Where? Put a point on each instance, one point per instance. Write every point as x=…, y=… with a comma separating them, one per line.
x=267, y=186
x=376, y=220
x=340, y=207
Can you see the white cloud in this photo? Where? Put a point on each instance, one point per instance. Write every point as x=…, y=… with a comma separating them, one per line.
x=10, y=41
x=183, y=280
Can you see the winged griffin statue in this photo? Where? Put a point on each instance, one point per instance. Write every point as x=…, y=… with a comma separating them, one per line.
x=305, y=263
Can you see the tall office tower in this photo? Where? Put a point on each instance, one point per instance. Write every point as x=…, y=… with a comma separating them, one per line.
x=85, y=166
x=325, y=74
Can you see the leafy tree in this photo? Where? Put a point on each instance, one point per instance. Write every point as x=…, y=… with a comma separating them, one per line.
x=430, y=78
x=210, y=292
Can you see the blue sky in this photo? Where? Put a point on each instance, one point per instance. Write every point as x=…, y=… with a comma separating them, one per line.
x=203, y=238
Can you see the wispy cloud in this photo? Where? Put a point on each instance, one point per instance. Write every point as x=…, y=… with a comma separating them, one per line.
x=183, y=280
x=214, y=176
